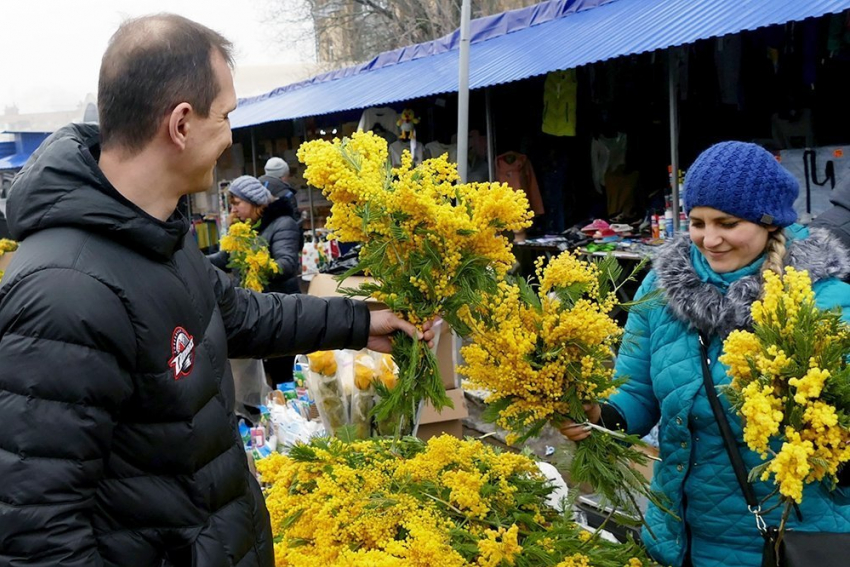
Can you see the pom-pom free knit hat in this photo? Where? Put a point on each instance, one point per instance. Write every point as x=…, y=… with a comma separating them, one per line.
x=250, y=189
x=276, y=167
x=743, y=180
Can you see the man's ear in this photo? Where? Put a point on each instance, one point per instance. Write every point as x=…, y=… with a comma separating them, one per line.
x=179, y=123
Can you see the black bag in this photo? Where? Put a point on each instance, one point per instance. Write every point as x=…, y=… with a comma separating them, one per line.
x=792, y=548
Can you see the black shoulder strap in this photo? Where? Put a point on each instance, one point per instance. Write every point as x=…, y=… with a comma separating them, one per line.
x=725, y=429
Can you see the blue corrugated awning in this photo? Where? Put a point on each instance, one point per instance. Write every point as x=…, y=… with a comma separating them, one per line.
x=555, y=35
x=14, y=161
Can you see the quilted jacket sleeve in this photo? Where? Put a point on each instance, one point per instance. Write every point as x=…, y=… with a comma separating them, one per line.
x=65, y=345
x=833, y=293
x=636, y=401
x=285, y=247
x=261, y=325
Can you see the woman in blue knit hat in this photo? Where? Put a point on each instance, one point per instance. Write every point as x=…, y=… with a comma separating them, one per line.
x=251, y=201
x=740, y=202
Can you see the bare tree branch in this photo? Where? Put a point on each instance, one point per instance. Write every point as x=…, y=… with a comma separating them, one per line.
x=344, y=32
x=374, y=6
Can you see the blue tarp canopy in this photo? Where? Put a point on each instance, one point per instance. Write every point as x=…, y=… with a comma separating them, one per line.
x=554, y=35
x=14, y=161
x=24, y=145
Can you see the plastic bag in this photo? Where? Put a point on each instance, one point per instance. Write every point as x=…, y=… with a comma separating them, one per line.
x=363, y=395
x=249, y=379
x=325, y=387
x=396, y=423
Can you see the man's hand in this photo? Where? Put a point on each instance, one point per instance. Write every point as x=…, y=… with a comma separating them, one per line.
x=576, y=431
x=384, y=323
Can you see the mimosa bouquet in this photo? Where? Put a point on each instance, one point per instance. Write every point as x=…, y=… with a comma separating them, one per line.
x=791, y=386
x=249, y=255
x=342, y=502
x=543, y=354
x=430, y=244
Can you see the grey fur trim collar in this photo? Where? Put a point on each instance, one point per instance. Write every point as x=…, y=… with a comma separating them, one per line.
x=705, y=308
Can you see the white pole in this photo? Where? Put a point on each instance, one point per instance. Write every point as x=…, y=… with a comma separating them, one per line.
x=463, y=93
x=674, y=136
x=253, y=153
x=491, y=137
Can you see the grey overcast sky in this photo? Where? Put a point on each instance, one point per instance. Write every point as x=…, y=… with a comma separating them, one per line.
x=50, y=50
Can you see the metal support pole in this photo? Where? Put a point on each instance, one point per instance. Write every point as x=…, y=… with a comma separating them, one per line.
x=463, y=94
x=491, y=137
x=309, y=187
x=253, y=153
x=674, y=134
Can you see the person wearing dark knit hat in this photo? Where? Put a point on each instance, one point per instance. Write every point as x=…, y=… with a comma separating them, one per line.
x=276, y=180
x=741, y=206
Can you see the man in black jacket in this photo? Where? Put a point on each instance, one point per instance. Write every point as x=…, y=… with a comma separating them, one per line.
x=119, y=445
x=837, y=217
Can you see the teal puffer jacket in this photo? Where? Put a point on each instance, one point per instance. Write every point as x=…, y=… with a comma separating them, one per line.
x=660, y=356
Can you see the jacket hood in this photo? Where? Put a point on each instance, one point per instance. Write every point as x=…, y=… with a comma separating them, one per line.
x=276, y=209
x=717, y=305
x=276, y=185
x=62, y=185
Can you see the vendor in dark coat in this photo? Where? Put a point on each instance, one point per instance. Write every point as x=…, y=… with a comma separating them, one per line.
x=251, y=202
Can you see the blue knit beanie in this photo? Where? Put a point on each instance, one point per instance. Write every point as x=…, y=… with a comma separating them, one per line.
x=250, y=189
x=743, y=180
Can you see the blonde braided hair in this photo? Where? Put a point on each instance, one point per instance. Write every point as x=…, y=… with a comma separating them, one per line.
x=775, y=252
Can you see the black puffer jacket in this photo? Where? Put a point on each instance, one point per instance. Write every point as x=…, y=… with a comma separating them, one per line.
x=118, y=445
x=285, y=241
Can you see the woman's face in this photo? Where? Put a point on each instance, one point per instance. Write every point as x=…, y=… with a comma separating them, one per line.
x=243, y=209
x=727, y=242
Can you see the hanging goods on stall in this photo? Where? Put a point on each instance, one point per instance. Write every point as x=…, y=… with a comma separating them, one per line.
x=406, y=123
x=821, y=172
x=559, y=103
x=385, y=116
x=811, y=172
x=515, y=169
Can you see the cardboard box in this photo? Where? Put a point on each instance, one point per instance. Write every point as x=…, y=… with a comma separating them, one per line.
x=448, y=420
x=647, y=469
x=324, y=285
x=5, y=259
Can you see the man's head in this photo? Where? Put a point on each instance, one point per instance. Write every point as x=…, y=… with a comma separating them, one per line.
x=276, y=167
x=165, y=79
